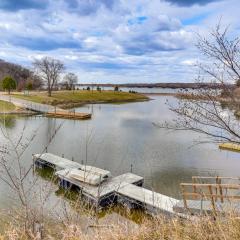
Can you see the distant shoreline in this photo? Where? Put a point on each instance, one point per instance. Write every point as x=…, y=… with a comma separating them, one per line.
x=158, y=85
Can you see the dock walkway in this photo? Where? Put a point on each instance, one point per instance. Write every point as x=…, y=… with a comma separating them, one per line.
x=198, y=207
x=151, y=201
x=48, y=110
x=125, y=189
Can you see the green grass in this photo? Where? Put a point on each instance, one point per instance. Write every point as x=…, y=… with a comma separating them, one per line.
x=6, y=106
x=82, y=97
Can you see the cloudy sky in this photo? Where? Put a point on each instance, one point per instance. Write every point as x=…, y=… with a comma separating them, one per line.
x=113, y=40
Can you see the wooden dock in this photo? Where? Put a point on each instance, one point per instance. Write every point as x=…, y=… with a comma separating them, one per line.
x=125, y=189
x=230, y=146
x=68, y=115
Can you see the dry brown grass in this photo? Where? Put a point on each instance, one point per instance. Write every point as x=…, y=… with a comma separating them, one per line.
x=160, y=228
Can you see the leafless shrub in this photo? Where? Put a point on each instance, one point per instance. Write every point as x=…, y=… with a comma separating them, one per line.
x=202, y=111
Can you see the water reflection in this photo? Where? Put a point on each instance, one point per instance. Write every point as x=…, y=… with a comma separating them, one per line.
x=8, y=121
x=124, y=135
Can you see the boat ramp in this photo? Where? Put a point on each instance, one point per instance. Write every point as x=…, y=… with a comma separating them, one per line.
x=98, y=187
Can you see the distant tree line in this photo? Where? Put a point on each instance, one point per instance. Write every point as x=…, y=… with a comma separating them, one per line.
x=23, y=77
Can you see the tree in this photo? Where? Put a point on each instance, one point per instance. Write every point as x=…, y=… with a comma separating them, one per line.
x=203, y=111
x=71, y=79
x=9, y=84
x=49, y=69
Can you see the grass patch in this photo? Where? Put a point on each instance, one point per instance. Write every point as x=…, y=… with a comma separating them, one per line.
x=80, y=97
x=6, y=106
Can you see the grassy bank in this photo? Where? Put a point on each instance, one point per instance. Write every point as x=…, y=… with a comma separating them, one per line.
x=68, y=99
x=6, y=107
x=202, y=228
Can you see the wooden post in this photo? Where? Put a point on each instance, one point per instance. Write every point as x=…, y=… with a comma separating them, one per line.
x=33, y=164
x=212, y=198
x=216, y=189
x=184, y=197
x=220, y=189
x=194, y=187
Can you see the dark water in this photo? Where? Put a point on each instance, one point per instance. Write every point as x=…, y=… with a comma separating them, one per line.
x=119, y=136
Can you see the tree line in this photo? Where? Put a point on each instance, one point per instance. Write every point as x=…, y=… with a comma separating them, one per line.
x=46, y=73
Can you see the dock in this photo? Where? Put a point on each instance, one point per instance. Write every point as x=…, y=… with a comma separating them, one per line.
x=102, y=195
x=45, y=109
x=152, y=202
x=230, y=146
x=68, y=115
x=98, y=187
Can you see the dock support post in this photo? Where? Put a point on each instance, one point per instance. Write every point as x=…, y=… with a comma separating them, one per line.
x=218, y=181
x=184, y=197
x=212, y=199
x=131, y=168
x=33, y=164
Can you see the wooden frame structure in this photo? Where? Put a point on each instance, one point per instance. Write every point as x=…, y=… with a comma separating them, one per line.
x=213, y=192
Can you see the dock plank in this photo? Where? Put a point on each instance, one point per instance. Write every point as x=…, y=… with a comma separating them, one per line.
x=149, y=198
x=198, y=207
x=68, y=115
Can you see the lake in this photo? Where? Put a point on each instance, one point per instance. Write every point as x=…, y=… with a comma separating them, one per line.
x=121, y=138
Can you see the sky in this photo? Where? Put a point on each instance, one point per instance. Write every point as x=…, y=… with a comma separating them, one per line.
x=114, y=41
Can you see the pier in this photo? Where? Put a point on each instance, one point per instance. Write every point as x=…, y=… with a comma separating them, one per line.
x=101, y=189
x=68, y=115
x=45, y=109
x=230, y=146
x=204, y=195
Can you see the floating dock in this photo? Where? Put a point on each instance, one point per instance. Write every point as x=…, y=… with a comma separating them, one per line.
x=99, y=188
x=102, y=195
x=69, y=115
x=230, y=146
x=152, y=202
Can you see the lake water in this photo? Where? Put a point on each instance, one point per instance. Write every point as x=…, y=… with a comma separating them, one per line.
x=121, y=135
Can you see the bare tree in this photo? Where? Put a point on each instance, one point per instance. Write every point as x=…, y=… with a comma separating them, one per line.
x=71, y=79
x=203, y=110
x=49, y=69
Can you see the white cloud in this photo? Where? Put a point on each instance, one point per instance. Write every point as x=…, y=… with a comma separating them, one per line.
x=121, y=40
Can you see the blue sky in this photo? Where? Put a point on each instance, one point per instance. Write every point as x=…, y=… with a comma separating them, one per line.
x=117, y=41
